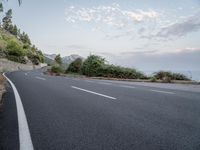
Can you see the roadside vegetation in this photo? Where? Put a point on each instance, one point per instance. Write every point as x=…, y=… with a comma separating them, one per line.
x=167, y=76
x=16, y=45
x=96, y=66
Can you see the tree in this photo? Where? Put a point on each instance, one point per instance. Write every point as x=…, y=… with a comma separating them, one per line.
x=92, y=65
x=58, y=59
x=25, y=38
x=1, y=5
x=75, y=66
x=14, y=30
x=7, y=22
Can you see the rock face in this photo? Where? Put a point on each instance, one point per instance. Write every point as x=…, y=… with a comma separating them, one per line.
x=2, y=54
x=7, y=65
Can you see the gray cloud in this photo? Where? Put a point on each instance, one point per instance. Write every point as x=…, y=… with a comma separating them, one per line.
x=190, y=24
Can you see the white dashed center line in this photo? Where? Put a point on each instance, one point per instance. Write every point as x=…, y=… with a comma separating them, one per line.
x=158, y=91
x=40, y=78
x=126, y=86
x=95, y=93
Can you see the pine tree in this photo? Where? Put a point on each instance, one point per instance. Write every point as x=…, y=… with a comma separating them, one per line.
x=58, y=59
x=14, y=30
x=7, y=22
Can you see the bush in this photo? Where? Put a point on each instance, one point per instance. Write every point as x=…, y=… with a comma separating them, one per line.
x=15, y=49
x=95, y=66
x=112, y=71
x=56, y=69
x=92, y=65
x=75, y=66
x=153, y=79
x=168, y=76
x=179, y=76
x=19, y=59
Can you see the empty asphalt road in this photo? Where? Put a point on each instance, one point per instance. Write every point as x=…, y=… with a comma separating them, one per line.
x=83, y=114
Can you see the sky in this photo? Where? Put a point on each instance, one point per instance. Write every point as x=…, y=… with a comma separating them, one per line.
x=145, y=34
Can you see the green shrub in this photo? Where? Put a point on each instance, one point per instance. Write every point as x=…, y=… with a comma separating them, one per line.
x=167, y=76
x=179, y=76
x=119, y=72
x=75, y=66
x=19, y=59
x=162, y=74
x=15, y=49
x=95, y=66
x=56, y=69
x=92, y=65
x=153, y=79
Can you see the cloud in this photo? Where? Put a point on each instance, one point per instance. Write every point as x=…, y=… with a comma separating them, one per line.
x=135, y=23
x=181, y=28
x=113, y=16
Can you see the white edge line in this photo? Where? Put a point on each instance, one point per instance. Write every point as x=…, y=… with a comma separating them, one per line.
x=40, y=78
x=24, y=133
x=74, y=87
x=158, y=91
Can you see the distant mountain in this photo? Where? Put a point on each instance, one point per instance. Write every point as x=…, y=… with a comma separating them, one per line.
x=49, y=58
x=71, y=58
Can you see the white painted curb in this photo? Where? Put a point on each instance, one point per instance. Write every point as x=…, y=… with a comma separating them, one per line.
x=24, y=133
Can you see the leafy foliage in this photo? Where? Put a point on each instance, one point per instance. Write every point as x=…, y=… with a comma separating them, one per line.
x=96, y=66
x=7, y=22
x=112, y=71
x=15, y=49
x=56, y=69
x=16, y=46
x=92, y=65
x=58, y=59
x=167, y=76
x=75, y=66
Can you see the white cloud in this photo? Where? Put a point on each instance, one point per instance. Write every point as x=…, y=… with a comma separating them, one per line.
x=112, y=16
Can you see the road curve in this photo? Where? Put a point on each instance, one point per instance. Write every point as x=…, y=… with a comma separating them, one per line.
x=71, y=113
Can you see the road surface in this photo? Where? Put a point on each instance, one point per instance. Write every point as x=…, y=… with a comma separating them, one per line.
x=84, y=114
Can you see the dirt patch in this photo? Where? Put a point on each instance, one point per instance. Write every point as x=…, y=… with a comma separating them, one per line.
x=2, y=87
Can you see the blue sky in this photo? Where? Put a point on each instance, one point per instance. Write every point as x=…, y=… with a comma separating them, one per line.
x=134, y=29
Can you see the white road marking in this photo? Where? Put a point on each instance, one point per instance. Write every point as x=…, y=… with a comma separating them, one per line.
x=104, y=83
x=126, y=86
x=24, y=133
x=40, y=78
x=158, y=91
x=74, y=87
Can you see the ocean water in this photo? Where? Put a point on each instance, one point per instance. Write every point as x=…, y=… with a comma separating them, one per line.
x=193, y=74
